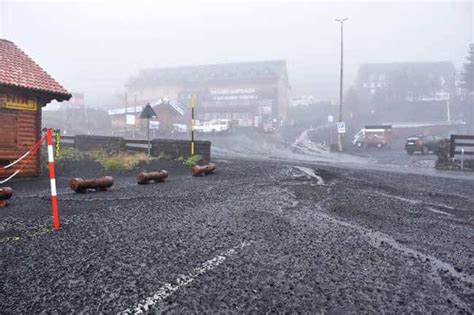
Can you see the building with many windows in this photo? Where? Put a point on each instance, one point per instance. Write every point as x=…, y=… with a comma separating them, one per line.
x=407, y=91
x=248, y=93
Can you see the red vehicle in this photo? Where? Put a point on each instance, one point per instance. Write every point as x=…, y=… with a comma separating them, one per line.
x=378, y=136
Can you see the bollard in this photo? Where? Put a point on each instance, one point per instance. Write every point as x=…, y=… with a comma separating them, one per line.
x=5, y=194
x=147, y=177
x=207, y=169
x=82, y=185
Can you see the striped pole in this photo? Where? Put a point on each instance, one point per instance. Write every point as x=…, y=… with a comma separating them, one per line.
x=52, y=178
x=193, y=105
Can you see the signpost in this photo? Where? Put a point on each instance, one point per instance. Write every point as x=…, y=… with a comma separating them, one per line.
x=330, y=121
x=148, y=113
x=18, y=102
x=341, y=127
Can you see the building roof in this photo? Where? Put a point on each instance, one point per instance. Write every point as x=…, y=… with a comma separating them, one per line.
x=172, y=104
x=17, y=69
x=121, y=111
x=216, y=73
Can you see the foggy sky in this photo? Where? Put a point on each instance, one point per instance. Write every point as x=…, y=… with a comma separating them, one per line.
x=93, y=47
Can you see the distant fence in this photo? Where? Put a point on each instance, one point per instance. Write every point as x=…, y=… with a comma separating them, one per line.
x=165, y=147
x=461, y=144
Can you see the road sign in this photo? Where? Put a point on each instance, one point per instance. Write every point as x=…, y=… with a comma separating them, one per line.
x=341, y=127
x=130, y=119
x=330, y=118
x=148, y=112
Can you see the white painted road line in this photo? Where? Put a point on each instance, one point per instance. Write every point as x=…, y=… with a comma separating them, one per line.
x=169, y=288
x=429, y=205
x=438, y=211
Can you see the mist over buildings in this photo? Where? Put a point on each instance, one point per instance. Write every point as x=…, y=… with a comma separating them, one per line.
x=95, y=47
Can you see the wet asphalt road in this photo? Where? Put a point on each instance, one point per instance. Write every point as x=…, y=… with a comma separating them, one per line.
x=258, y=236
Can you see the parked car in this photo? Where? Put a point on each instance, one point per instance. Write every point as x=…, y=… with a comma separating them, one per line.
x=267, y=127
x=179, y=129
x=423, y=144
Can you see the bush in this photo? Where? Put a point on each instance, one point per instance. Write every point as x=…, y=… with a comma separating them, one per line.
x=193, y=160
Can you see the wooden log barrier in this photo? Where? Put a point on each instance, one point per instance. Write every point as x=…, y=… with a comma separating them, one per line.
x=207, y=169
x=5, y=194
x=99, y=183
x=148, y=177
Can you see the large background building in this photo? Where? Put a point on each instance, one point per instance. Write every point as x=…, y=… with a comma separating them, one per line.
x=410, y=91
x=248, y=93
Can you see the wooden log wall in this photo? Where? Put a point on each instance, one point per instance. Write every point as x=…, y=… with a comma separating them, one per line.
x=27, y=127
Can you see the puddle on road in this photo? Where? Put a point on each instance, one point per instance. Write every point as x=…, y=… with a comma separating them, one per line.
x=322, y=176
x=311, y=173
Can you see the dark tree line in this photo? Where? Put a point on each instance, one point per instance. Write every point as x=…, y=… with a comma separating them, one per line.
x=468, y=73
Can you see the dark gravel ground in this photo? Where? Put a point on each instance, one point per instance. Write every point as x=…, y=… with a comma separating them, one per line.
x=258, y=236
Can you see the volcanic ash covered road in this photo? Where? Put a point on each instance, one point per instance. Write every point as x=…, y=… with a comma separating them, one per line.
x=257, y=236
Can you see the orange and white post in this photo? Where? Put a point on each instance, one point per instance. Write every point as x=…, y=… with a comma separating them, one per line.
x=52, y=178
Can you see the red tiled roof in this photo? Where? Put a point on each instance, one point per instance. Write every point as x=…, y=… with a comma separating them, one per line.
x=19, y=70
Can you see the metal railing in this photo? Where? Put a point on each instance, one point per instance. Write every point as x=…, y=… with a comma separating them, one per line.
x=461, y=145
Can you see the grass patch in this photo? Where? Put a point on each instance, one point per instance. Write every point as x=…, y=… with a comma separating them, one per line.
x=118, y=161
x=193, y=160
x=69, y=154
x=113, y=164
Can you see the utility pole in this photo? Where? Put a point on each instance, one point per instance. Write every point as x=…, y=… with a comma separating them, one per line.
x=448, y=111
x=193, y=105
x=126, y=103
x=339, y=135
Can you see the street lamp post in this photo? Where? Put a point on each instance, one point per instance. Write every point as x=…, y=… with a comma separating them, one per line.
x=134, y=114
x=339, y=135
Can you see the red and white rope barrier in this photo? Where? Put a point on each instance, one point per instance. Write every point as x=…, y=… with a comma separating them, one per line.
x=32, y=151
x=17, y=160
x=52, y=175
x=52, y=178
x=9, y=177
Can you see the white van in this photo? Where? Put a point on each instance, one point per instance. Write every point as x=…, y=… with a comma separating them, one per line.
x=214, y=126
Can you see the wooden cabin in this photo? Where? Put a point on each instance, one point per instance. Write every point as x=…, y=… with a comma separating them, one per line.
x=24, y=89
